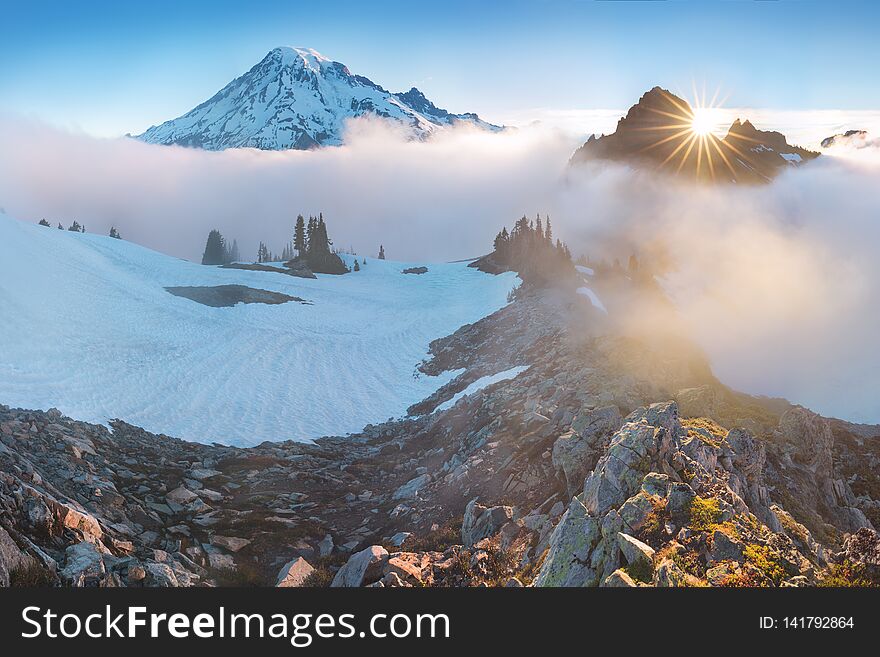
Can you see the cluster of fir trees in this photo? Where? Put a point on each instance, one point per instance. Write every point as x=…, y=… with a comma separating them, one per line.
x=530, y=250
x=314, y=246
x=218, y=251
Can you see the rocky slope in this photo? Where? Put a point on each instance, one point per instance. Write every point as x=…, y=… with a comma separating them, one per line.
x=295, y=98
x=655, y=134
x=609, y=461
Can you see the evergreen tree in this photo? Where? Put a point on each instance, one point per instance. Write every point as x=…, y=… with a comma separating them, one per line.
x=381, y=252
x=357, y=267
x=215, y=249
x=234, y=255
x=75, y=227
x=299, y=236
x=548, y=231
x=43, y=222
x=310, y=234
x=60, y=227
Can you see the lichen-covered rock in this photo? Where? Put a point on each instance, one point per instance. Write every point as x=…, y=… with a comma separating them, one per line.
x=576, y=451
x=568, y=560
x=636, y=553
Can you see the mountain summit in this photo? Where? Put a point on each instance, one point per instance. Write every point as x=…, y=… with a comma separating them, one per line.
x=296, y=98
x=660, y=133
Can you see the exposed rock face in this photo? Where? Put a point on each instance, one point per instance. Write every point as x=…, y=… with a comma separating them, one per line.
x=806, y=454
x=575, y=453
x=666, y=485
x=655, y=135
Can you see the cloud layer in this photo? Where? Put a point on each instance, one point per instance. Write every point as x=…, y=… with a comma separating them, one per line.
x=780, y=283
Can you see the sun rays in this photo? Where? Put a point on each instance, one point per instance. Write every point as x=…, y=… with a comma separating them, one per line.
x=693, y=133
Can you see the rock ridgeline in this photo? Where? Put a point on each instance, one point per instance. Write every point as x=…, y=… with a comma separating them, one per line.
x=655, y=135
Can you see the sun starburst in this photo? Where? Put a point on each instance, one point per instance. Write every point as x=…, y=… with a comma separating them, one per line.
x=692, y=133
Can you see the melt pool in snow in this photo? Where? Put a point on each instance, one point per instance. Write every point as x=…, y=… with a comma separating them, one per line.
x=87, y=326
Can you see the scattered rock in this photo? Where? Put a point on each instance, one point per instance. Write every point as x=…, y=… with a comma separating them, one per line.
x=294, y=573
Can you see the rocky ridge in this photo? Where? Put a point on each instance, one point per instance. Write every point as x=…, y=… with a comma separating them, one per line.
x=655, y=135
x=608, y=461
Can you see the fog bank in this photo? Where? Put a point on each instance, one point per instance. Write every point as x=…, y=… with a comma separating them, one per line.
x=779, y=283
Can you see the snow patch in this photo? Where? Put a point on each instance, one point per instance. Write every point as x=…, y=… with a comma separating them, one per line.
x=593, y=297
x=481, y=383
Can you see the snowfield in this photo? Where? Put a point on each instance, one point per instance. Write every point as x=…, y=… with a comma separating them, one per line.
x=87, y=327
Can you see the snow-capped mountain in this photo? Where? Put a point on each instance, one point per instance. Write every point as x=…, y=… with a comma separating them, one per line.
x=297, y=98
x=655, y=134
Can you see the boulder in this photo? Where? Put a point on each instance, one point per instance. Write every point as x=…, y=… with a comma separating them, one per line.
x=160, y=575
x=568, y=560
x=619, y=579
x=638, y=555
x=635, y=511
x=83, y=565
x=294, y=573
x=481, y=522
x=181, y=496
x=411, y=488
x=82, y=521
x=725, y=548
x=364, y=567
x=231, y=543
x=325, y=546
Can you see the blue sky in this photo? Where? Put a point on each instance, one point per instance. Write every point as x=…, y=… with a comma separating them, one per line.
x=110, y=68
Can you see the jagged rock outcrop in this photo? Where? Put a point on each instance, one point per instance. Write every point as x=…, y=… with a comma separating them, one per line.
x=658, y=506
x=575, y=452
x=656, y=135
